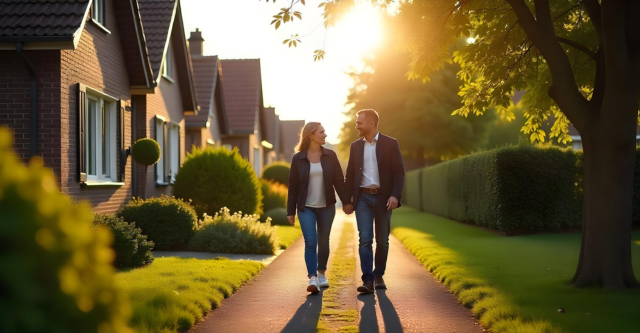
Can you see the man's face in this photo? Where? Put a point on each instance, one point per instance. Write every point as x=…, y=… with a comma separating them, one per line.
x=363, y=125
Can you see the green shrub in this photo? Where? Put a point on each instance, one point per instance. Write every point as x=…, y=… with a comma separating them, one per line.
x=277, y=172
x=506, y=188
x=235, y=233
x=412, y=184
x=146, y=151
x=216, y=177
x=132, y=248
x=278, y=216
x=55, y=272
x=636, y=189
x=274, y=195
x=167, y=221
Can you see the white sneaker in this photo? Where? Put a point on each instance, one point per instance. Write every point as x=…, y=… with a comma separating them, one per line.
x=313, y=287
x=322, y=281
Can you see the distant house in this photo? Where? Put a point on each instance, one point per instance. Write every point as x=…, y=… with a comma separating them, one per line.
x=209, y=125
x=244, y=110
x=290, y=134
x=576, y=143
x=82, y=80
x=274, y=153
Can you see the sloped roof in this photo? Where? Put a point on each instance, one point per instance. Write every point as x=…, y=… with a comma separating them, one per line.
x=157, y=19
x=242, y=94
x=205, y=77
x=41, y=20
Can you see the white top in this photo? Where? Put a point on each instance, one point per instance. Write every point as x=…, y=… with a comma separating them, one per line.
x=315, y=194
x=370, y=175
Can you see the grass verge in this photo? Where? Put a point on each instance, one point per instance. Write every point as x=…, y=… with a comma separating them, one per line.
x=517, y=284
x=340, y=275
x=172, y=294
x=288, y=234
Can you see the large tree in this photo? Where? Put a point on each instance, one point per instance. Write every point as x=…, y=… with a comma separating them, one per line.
x=577, y=59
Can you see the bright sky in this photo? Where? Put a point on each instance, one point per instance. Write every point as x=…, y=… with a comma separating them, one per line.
x=292, y=82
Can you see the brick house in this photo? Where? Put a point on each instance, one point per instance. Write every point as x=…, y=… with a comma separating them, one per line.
x=74, y=83
x=209, y=125
x=272, y=119
x=290, y=134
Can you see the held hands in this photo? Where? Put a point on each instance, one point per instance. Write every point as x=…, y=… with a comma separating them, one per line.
x=291, y=219
x=392, y=203
x=347, y=209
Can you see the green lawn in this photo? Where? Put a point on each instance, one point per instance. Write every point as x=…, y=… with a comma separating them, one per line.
x=172, y=294
x=526, y=277
x=288, y=234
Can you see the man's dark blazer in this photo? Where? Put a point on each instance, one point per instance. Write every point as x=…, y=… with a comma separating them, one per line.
x=390, y=169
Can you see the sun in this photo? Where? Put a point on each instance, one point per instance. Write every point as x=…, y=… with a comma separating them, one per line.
x=360, y=30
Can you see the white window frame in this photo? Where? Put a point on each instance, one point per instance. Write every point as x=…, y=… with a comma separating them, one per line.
x=169, y=163
x=98, y=11
x=94, y=131
x=160, y=178
x=173, y=151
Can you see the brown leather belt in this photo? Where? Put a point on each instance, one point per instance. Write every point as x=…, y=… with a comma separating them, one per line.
x=370, y=190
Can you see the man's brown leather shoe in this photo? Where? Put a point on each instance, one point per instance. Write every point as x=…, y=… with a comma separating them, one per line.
x=379, y=283
x=366, y=288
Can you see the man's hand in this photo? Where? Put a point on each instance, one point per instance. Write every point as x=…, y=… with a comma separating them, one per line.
x=347, y=209
x=392, y=203
x=291, y=219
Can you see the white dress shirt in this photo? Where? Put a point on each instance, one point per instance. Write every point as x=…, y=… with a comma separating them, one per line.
x=370, y=175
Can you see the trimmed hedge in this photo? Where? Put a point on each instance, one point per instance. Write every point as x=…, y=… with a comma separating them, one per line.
x=213, y=178
x=167, y=221
x=506, y=189
x=277, y=172
x=55, y=272
x=274, y=195
x=131, y=247
x=412, y=182
x=235, y=233
x=278, y=216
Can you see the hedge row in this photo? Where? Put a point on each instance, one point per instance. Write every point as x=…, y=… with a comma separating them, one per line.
x=507, y=188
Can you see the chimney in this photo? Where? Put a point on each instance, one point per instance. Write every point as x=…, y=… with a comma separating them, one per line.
x=195, y=43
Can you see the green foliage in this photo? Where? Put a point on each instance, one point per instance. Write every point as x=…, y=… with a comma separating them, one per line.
x=55, y=272
x=173, y=294
x=167, y=221
x=277, y=172
x=131, y=247
x=412, y=185
x=636, y=189
x=213, y=178
x=235, y=233
x=278, y=216
x=146, y=151
x=287, y=234
x=274, y=195
x=506, y=189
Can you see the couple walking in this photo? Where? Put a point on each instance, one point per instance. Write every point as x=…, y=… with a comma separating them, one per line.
x=374, y=180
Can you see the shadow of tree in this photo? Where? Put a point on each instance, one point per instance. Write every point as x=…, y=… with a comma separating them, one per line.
x=306, y=317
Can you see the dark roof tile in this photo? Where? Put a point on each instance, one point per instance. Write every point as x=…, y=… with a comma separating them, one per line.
x=156, y=21
x=41, y=18
x=205, y=70
x=242, y=94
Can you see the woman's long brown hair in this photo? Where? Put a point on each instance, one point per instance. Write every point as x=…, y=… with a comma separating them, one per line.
x=305, y=135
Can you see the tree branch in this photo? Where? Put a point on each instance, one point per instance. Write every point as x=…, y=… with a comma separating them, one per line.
x=593, y=10
x=579, y=47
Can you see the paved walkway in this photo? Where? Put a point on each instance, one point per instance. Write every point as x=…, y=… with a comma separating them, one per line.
x=277, y=301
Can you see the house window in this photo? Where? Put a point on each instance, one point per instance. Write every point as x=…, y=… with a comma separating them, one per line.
x=168, y=137
x=98, y=11
x=100, y=138
x=167, y=68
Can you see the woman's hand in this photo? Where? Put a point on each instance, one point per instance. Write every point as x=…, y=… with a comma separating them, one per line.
x=292, y=219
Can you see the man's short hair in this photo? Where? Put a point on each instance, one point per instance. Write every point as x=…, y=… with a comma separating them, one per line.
x=370, y=114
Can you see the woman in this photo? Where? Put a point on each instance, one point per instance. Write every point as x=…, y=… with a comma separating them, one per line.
x=315, y=172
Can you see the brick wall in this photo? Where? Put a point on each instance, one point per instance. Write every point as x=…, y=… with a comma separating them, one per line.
x=15, y=103
x=98, y=62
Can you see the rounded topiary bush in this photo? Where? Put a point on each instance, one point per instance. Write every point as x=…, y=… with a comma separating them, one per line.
x=131, y=247
x=277, y=172
x=274, y=195
x=213, y=178
x=278, y=216
x=55, y=272
x=168, y=222
x=235, y=233
x=146, y=151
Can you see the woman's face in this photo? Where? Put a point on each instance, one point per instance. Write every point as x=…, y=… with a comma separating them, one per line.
x=319, y=136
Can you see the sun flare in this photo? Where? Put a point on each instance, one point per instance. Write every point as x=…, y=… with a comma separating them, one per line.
x=360, y=30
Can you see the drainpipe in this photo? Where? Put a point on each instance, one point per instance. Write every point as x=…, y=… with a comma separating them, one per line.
x=33, y=145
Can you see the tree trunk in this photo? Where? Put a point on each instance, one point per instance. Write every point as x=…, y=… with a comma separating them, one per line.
x=609, y=156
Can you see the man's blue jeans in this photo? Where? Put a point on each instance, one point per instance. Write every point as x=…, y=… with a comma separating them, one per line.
x=316, y=229
x=368, y=210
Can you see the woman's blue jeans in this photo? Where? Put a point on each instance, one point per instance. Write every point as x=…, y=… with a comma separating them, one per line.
x=316, y=228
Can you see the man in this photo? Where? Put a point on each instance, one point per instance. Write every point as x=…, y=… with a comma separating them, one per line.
x=375, y=176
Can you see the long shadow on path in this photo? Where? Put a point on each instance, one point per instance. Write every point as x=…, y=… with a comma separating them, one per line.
x=306, y=317
x=389, y=315
x=369, y=317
